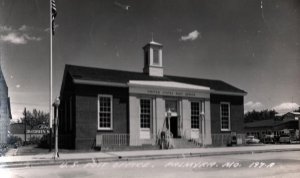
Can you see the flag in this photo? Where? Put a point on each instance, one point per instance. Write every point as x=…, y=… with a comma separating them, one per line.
x=53, y=14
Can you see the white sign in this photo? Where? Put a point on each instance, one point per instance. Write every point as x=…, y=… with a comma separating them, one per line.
x=37, y=131
x=169, y=92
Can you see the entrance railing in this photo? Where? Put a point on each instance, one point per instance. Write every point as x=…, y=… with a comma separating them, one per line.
x=112, y=140
x=117, y=139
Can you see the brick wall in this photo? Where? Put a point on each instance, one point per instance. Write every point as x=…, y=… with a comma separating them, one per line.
x=236, y=113
x=67, y=132
x=86, y=113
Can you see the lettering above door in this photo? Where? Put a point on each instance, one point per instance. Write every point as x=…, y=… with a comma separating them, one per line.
x=169, y=92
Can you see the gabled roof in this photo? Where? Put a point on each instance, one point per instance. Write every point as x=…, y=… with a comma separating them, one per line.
x=294, y=113
x=83, y=74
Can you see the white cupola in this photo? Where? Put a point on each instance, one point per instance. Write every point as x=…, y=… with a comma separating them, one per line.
x=153, y=59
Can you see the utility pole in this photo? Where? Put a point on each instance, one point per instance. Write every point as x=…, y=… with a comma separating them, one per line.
x=25, y=130
x=56, y=105
x=50, y=138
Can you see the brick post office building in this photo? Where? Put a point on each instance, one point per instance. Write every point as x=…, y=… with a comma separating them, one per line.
x=101, y=106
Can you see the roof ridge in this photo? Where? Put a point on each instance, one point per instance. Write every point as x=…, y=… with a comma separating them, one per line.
x=97, y=68
x=193, y=78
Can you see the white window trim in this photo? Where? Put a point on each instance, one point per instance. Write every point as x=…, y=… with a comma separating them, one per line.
x=229, y=118
x=199, y=102
x=111, y=115
x=201, y=108
x=151, y=114
x=158, y=55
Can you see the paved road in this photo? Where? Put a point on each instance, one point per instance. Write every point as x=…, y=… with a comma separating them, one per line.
x=278, y=164
x=11, y=152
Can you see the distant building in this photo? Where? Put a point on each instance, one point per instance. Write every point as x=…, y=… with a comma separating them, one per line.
x=5, y=113
x=288, y=123
x=18, y=130
x=291, y=116
x=104, y=106
x=261, y=128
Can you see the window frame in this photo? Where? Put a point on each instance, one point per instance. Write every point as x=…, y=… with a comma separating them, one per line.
x=221, y=117
x=154, y=52
x=199, y=102
x=111, y=112
x=151, y=114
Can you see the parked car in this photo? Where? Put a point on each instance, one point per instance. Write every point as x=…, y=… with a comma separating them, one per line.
x=251, y=139
x=276, y=138
x=269, y=139
x=285, y=138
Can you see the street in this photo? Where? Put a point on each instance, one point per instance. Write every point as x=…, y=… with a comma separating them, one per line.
x=276, y=164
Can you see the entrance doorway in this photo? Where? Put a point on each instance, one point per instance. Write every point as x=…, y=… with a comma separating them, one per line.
x=172, y=106
x=174, y=126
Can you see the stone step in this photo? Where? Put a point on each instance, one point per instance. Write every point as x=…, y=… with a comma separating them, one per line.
x=183, y=143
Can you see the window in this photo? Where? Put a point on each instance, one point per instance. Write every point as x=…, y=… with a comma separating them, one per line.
x=195, y=114
x=105, y=112
x=155, y=56
x=225, y=117
x=145, y=113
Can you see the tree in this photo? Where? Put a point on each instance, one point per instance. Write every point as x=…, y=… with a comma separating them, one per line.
x=34, y=118
x=252, y=116
x=297, y=110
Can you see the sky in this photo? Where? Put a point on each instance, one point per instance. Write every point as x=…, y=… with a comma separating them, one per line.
x=251, y=44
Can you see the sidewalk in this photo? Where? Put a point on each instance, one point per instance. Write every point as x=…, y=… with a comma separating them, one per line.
x=81, y=158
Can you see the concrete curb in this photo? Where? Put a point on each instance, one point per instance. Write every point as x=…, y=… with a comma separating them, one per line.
x=69, y=162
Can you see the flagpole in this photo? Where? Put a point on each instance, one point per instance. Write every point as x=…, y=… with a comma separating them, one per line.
x=50, y=97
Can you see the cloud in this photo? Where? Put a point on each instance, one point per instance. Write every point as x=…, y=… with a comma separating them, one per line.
x=32, y=38
x=191, y=36
x=17, y=36
x=286, y=107
x=250, y=105
x=13, y=38
x=17, y=115
x=23, y=28
x=125, y=7
x=4, y=28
